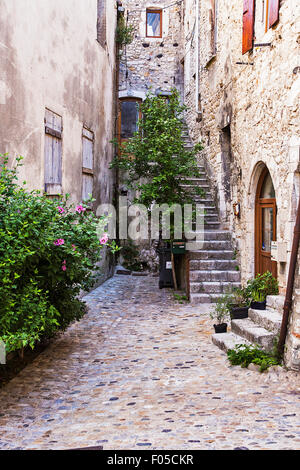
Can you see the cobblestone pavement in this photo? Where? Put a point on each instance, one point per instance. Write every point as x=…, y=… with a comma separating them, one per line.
x=140, y=372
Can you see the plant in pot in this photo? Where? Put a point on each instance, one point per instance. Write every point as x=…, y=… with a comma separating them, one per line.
x=240, y=304
x=260, y=287
x=221, y=313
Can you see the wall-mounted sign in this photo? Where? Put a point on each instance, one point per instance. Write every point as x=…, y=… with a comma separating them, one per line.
x=279, y=252
x=274, y=251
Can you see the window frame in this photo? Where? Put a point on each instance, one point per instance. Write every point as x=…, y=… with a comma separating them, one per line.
x=54, y=135
x=160, y=12
x=88, y=135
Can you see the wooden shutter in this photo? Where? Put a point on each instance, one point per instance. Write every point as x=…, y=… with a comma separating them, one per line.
x=53, y=153
x=101, y=22
x=248, y=25
x=273, y=16
x=87, y=163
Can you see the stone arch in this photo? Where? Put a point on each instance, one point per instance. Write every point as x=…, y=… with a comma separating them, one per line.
x=255, y=176
x=133, y=94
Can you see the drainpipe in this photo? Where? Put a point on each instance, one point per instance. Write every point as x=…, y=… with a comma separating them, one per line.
x=290, y=285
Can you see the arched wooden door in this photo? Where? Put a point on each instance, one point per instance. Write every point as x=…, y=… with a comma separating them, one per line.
x=265, y=224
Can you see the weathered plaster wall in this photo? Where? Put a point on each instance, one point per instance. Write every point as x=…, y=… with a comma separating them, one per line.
x=50, y=59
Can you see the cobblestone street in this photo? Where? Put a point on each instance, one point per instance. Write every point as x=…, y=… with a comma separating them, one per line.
x=140, y=372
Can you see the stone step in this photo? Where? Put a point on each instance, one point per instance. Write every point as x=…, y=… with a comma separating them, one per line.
x=255, y=334
x=211, y=217
x=213, y=287
x=215, y=245
x=193, y=188
x=227, y=341
x=210, y=210
x=276, y=302
x=269, y=319
x=195, y=179
x=216, y=235
x=205, y=201
x=211, y=254
x=191, y=184
x=214, y=265
x=211, y=275
x=210, y=225
x=197, y=299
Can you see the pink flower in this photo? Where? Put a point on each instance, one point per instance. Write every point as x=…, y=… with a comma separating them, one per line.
x=59, y=242
x=104, y=239
x=74, y=247
x=64, y=265
x=61, y=210
x=80, y=209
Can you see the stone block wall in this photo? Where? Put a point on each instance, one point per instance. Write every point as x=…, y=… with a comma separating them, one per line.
x=151, y=63
x=257, y=95
x=292, y=349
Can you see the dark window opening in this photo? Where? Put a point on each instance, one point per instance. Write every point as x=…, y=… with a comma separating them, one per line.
x=129, y=118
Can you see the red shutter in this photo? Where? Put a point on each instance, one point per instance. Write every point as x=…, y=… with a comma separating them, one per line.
x=273, y=12
x=248, y=25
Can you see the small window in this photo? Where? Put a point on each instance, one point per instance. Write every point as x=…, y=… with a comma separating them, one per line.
x=53, y=153
x=87, y=163
x=101, y=22
x=154, y=24
x=130, y=114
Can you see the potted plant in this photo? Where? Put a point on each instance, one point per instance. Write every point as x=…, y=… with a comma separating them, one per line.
x=240, y=304
x=220, y=314
x=260, y=287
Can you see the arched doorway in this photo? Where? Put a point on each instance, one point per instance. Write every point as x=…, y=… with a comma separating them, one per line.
x=265, y=224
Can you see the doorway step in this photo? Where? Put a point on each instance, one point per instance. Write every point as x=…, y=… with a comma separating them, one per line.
x=261, y=329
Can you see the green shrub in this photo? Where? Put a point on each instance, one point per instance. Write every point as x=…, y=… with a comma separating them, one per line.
x=48, y=252
x=262, y=286
x=244, y=355
x=155, y=157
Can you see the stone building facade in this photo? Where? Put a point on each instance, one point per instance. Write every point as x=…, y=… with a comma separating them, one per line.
x=151, y=61
x=57, y=94
x=236, y=65
x=243, y=94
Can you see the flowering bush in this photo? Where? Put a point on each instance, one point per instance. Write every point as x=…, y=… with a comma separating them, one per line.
x=48, y=253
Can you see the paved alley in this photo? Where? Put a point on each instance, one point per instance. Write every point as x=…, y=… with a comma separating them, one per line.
x=140, y=372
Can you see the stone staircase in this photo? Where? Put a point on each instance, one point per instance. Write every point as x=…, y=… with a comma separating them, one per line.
x=262, y=328
x=213, y=268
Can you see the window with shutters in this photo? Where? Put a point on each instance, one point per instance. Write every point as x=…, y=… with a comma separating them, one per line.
x=87, y=163
x=259, y=16
x=101, y=22
x=53, y=153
